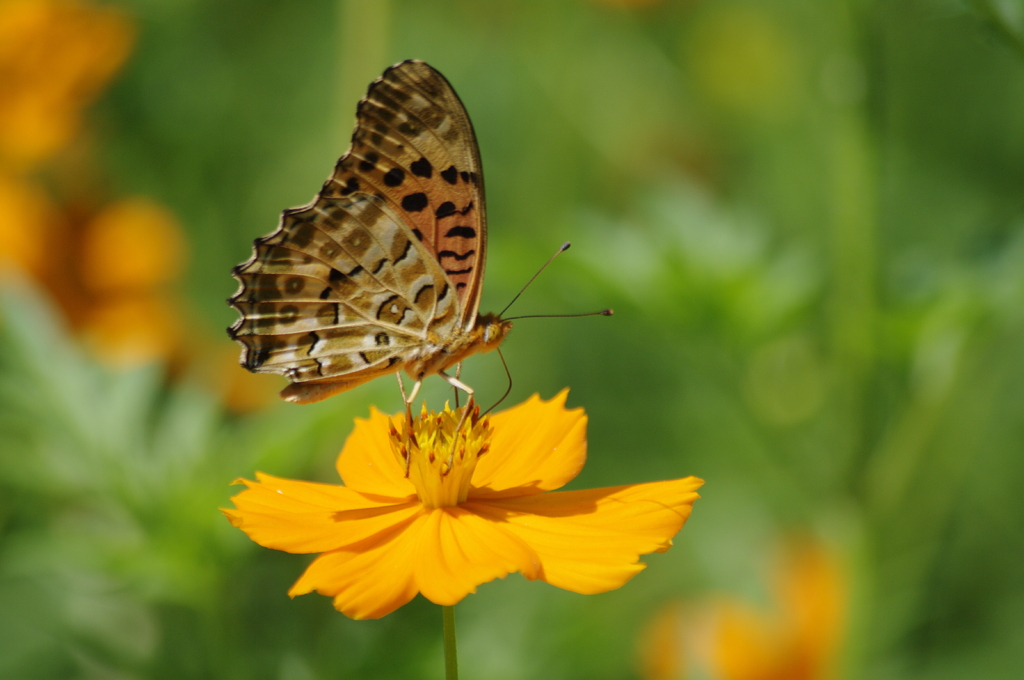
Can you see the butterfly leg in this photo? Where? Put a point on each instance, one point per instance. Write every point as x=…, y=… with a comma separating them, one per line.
x=458, y=372
x=410, y=398
x=458, y=385
x=408, y=411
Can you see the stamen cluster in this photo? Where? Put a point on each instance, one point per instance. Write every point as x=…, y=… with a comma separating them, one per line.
x=437, y=459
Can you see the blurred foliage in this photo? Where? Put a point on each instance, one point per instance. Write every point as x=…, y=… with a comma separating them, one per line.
x=808, y=219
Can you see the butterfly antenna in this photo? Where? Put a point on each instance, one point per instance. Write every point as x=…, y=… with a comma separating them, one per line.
x=562, y=249
x=509, y=390
x=603, y=312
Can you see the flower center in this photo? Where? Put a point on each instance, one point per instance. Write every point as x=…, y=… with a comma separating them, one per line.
x=438, y=460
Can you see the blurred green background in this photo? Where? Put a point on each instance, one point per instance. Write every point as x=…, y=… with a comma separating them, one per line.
x=808, y=217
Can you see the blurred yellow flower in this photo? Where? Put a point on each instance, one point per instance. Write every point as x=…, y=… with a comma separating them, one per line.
x=128, y=254
x=55, y=57
x=404, y=523
x=26, y=222
x=129, y=330
x=110, y=273
x=728, y=639
x=131, y=244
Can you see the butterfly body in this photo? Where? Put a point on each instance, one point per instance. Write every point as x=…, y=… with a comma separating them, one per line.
x=383, y=270
x=439, y=354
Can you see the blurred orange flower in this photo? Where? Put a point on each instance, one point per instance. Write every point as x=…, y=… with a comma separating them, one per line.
x=56, y=56
x=108, y=269
x=131, y=244
x=26, y=223
x=129, y=251
x=405, y=523
x=728, y=639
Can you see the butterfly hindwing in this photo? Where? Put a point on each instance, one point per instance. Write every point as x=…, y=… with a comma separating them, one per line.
x=342, y=287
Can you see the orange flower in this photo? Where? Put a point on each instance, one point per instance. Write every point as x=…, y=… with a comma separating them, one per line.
x=55, y=58
x=26, y=221
x=387, y=535
x=731, y=640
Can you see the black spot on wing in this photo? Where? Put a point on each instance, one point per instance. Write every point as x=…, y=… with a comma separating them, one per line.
x=421, y=291
x=419, y=234
x=444, y=293
x=394, y=177
x=379, y=265
x=405, y=253
x=409, y=129
x=351, y=186
x=461, y=232
x=454, y=272
x=265, y=312
x=313, y=339
x=326, y=292
x=422, y=168
x=288, y=315
x=415, y=202
x=383, y=305
x=254, y=360
x=451, y=253
x=369, y=162
x=445, y=209
x=336, y=276
x=451, y=175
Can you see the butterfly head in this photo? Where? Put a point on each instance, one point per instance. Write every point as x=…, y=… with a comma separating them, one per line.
x=492, y=331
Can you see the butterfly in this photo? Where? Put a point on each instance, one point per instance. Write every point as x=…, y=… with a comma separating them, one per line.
x=383, y=270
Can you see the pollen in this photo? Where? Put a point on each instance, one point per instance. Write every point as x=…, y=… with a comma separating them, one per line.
x=438, y=459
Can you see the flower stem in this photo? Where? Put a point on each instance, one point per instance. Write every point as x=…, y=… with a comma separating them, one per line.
x=451, y=661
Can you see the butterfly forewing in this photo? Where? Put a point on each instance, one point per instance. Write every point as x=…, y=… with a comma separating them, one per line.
x=388, y=259
x=414, y=144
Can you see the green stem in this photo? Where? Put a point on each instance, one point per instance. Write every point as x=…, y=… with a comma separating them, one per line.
x=451, y=660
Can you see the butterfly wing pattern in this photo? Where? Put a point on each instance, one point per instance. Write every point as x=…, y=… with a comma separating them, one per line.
x=383, y=270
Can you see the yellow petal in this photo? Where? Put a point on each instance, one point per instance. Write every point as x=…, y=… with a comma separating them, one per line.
x=367, y=581
x=303, y=517
x=591, y=541
x=537, y=446
x=460, y=550
x=368, y=465
x=444, y=553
